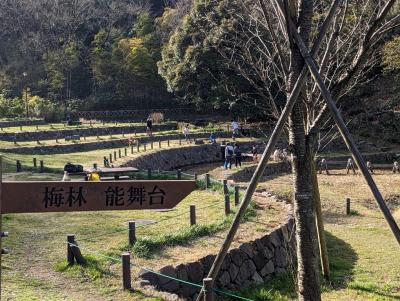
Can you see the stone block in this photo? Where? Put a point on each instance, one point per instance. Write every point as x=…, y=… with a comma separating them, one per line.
x=207, y=263
x=195, y=272
x=224, y=279
x=248, y=249
x=268, y=269
x=257, y=279
x=238, y=256
x=281, y=257
x=259, y=260
x=233, y=271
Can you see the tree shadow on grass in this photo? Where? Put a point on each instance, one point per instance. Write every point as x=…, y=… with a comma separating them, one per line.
x=282, y=287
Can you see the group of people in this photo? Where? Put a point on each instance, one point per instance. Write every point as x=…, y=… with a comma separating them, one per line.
x=232, y=153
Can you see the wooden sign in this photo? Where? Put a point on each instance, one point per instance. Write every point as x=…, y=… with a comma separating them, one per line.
x=56, y=196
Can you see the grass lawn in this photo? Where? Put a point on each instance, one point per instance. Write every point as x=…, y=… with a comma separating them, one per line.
x=36, y=268
x=364, y=255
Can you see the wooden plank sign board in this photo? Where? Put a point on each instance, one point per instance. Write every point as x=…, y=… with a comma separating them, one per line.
x=56, y=196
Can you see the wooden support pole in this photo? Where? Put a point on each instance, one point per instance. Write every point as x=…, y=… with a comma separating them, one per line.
x=237, y=196
x=144, y=146
x=138, y=146
x=208, y=182
x=34, y=162
x=195, y=176
x=159, y=143
x=192, y=215
x=168, y=142
x=207, y=289
x=131, y=149
x=179, y=174
x=132, y=232
x=110, y=158
x=1, y=218
x=126, y=151
x=225, y=184
x=126, y=271
x=119, y=153
x=323, y=250
x=115, y=155
x=348, y=206
x=104, y=161
x=149, y=173
x=70, y=255
x=180, y=141
x=227, y=205
x=348, y=139
x=151, y=145
x=94, y=165
x=41, y=170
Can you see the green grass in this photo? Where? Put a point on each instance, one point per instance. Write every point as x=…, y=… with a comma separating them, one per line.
x=363, y=254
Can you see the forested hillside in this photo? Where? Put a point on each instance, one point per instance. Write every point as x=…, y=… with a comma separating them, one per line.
x=60, y=56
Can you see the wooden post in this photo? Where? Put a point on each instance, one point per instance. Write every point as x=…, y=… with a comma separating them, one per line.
x=115, y=155
x=20, y=128
x=19, y=167
x=144, y=146
x=195, y=176
x=119, y=153
x=138, y=146
x=104, y=161
x=131, y=149
x=208, y=182
x=168, y=142
x=41, y=166
x=159, y=143
x=132, y=233
x=227, y=205
x=126, y=152
x=1, y=219
x=180, y=141
x=348, y=205
x=179, y=174
x=192, y=215
x=225, y=184
x=126, y=270
x=34, y=163
x=110, y=158
x=70, y=255
x=94, y=165
x=56, y=140
x=207, y=288
x=151, y=145
x=237, y=196
x=149, y=173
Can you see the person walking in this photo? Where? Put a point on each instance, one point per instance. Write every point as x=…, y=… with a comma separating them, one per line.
x=228, y=156
x=238, y=155
x=186, y=132
x=254, y=152
x=235, y=129
x=149, y=124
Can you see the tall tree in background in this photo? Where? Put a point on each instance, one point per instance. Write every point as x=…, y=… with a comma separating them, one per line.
x=254, y=39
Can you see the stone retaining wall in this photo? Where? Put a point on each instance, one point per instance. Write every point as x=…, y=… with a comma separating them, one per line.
x=53, y=134
x=12, y=123
x=253, y=263
x=88, y=146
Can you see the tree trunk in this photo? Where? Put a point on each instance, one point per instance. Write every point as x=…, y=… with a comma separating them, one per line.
x=302, y=156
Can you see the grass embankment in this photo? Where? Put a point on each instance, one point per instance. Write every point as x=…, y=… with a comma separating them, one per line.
x=364, y=255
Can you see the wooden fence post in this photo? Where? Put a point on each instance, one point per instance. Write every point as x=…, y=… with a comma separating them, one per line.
x=138, y=146
x=192, y=215
x=94, y=165
x=207, y=288
x=110, y=158
x=41, y=166
x=126, y=152
x=225, y=183
x=126, y=270
x=19, y=167
x=70, y=255
x=149, y=173
x=151, y=145
x=227, y=205
x=115, y=155
x=132, y=232
x=168, y=142
x=159, y=143
x=180, y=141
x=348, y=206
x=195, y=176
x=144, y=146
x=34, y=162
x=179, y=174
x=237, y=196
x=104, y=161
x=208, y=183
x=131, y=149
x=119, y=153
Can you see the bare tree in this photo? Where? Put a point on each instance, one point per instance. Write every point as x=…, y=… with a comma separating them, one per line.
x=255, y=38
